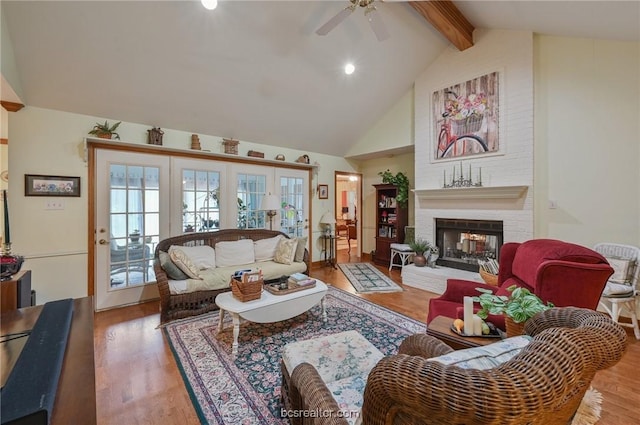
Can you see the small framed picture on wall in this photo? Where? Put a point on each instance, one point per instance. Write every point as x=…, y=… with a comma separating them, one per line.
x=323, y=191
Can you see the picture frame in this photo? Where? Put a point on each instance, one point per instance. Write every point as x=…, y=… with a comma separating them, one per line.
x=45, y=185
x=323, y=191
x=466, y=118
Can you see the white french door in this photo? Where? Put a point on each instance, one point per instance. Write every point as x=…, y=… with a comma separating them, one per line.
x=132, y=201
x=292, y=187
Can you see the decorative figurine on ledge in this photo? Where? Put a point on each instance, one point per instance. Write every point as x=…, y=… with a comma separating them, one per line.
x=155, y=136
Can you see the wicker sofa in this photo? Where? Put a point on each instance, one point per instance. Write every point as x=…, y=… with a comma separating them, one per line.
x=179, y=305
x=543, y=384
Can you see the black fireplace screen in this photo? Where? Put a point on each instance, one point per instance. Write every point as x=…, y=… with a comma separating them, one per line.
x=464, y=243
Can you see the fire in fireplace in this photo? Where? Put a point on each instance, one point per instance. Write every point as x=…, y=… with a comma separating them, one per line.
x=464, y=243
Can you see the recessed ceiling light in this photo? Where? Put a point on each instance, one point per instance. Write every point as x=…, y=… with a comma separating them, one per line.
x=349, y=68
x=209, y=4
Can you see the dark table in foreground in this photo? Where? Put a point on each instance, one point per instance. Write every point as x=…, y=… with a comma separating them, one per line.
x=440, y=327
x=75, y=401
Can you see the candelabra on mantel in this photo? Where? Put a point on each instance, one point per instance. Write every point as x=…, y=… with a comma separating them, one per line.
x=460, y=180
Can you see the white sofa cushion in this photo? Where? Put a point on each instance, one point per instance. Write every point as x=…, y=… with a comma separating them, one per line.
x=182, y=260
x=204, y=257
x=265, y=249
x=235, y=253
x=285, y=251
x=300, y=247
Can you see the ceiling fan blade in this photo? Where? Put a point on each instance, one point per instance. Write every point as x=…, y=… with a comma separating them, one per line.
x=333, y=22
x=378, y=27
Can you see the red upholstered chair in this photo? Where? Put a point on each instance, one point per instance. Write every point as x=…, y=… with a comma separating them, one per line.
x=559, y=272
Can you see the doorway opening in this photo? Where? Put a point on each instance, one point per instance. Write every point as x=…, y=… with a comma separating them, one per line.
x=348, y=202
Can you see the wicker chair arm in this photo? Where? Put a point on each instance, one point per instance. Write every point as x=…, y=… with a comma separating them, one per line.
x=543, y=384
x=608, y=343
x=314, y=397
x=423, y=345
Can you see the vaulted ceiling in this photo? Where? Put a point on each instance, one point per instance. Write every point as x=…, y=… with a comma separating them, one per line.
x=256, y=70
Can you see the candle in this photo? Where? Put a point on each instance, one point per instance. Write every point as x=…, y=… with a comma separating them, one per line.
x=444, y=177
x=460, y=170
x=468, y=315
x=7, y=237
x=480, y=173
x=477, y=325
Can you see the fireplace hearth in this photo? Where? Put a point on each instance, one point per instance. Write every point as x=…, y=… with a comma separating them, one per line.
x=465, y=243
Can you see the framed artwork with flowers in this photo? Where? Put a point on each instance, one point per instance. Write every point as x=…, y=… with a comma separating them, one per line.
x=466, y=118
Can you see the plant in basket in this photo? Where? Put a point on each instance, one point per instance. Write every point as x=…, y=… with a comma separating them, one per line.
x=519, y=307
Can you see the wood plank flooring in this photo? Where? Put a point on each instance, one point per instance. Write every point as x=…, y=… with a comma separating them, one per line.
x=138, y=382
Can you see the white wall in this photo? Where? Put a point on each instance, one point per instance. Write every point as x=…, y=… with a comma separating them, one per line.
x=587, y=106
x=510, y=53
x=393, y=131
x=54, y=242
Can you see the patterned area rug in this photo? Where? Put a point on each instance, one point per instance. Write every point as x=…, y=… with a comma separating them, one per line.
x=365, y=277
x=247, y=391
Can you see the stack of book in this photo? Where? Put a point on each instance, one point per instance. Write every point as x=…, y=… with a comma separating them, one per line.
x=301, y=279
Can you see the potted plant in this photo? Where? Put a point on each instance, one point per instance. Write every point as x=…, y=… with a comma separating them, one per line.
x=401, y=181
x=519, y=307
x=104, y=131
x=419, y=246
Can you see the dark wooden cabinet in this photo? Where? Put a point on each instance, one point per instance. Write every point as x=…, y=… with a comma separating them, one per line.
x=16, y=292
x=391, y=220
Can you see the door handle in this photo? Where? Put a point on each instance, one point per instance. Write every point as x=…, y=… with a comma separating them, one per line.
x=103, y=242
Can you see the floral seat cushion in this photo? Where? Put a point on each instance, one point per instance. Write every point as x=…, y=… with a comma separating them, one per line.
x=335, y=356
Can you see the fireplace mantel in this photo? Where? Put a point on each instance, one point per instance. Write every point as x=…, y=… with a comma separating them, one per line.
x=473, y=193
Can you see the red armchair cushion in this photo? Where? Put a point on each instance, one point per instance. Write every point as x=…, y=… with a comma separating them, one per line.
x=533, y=253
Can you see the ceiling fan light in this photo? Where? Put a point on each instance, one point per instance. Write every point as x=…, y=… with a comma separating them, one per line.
x=209, y=4
x=349, y=68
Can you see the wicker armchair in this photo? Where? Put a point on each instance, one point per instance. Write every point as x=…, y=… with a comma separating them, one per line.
x=543, y=384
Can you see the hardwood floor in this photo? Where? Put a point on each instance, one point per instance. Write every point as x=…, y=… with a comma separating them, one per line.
x=138, y=382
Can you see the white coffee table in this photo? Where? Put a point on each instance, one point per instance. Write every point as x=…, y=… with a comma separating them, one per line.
x=269, y=308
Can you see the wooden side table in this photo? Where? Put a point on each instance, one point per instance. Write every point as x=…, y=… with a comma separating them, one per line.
x=329, y=250
x=440, y=327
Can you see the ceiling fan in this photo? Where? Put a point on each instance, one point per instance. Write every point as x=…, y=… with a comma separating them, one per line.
x=371, y=13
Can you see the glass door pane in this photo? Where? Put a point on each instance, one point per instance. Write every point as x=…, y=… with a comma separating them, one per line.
x=134, y=223
x=251, y=188
x=200, y=200
x=292, y=203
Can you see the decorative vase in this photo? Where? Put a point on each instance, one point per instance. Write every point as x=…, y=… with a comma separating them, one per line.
x=419, y=260
x=513, y=328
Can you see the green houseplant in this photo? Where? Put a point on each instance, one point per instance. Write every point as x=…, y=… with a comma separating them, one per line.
x=518, y=307
x=105, y=131
x=420, y=246
x=401, y=181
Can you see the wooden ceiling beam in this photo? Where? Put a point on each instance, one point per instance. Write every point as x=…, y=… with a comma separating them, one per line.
x=11, y=106
x=448, y=20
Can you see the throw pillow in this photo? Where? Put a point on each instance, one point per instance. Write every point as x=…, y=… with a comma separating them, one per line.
x=265, y=249
x=285, y=251
x=487, y=356
x=235, y=253
x=203, y=256
x=621, y=269
x=183, y=261
x=173, y=272
x=302, y=244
